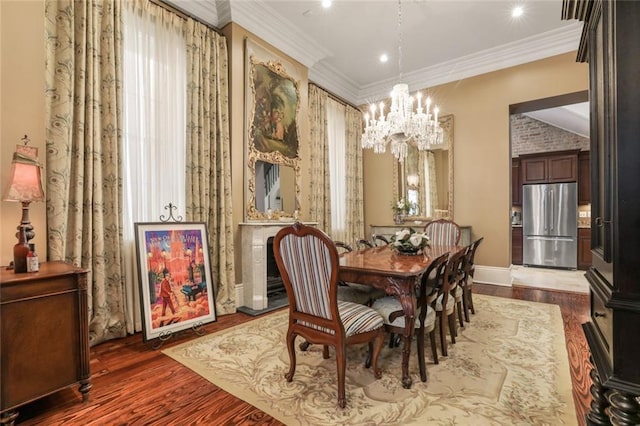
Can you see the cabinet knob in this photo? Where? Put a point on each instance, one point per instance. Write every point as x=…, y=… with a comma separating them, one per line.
x=599, y=314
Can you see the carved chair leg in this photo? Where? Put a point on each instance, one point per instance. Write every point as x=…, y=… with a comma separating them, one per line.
x=421, y=361
x=304, y=346
x=292, y=356
x=443, y=334
x=459, y=308
x=434, y=349
x=378, y=343
x=342, y=367
x=465, y=302
x=325, y=352
x=452, y=327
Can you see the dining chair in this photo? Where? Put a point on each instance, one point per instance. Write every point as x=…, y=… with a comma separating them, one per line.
x=363, y=244
x=442, y=301
x=379, y=240
x=394, y=319
x=308, y=263
x=443, y=232
x=354, y=292
x=468, y=270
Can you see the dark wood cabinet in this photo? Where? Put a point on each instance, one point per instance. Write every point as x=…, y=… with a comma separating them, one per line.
x=516, y=245
x=44, y=337
x=516, y=182
x=584, y=178
x=611, y=44
x=584, y=248
x=549, y=167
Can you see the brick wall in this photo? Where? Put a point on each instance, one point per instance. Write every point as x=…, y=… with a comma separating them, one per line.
x=531, y=136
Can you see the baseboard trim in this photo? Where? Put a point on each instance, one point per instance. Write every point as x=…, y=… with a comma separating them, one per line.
x=492, y=275
x=239, y=295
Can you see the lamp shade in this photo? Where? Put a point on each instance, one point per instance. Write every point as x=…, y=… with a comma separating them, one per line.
x=24, y=183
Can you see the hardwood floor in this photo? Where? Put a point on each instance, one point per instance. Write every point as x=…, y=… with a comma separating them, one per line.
x=135, y=385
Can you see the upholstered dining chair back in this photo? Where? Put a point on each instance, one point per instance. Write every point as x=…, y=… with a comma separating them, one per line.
x=309, y=266
x=443, y=232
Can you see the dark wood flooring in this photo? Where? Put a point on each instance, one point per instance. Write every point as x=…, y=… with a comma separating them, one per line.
x=136, y=385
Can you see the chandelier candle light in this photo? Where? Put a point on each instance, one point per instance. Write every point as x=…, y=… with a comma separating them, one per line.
x=402, y=124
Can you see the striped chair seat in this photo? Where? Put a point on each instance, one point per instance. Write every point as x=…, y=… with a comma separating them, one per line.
x=356, y=318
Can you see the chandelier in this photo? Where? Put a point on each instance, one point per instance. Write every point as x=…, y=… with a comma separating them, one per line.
x=402, y=124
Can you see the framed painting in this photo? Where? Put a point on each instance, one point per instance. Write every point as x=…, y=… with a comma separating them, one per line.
x=174, y=273
x=273, y=102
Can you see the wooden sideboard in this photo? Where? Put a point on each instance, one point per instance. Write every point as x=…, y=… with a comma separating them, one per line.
x=389, y=230
x=44, y=336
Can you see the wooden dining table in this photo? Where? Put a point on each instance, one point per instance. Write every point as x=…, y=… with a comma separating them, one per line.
x=398, y=275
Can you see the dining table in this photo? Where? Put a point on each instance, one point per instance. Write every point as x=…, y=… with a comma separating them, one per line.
x=397, y=274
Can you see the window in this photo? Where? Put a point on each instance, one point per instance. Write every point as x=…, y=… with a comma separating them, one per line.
x=154, y=123
x=336, y=134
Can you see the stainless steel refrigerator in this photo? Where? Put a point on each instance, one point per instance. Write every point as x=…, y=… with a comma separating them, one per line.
x=550, y=225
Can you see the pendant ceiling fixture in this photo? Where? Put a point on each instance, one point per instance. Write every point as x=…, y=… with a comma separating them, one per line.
x=402, y=124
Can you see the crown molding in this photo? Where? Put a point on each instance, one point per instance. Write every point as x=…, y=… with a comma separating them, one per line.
x=550, y=43
x=260, y=19
x=332, y=80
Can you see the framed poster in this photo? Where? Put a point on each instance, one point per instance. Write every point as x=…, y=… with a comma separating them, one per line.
x=174, y=273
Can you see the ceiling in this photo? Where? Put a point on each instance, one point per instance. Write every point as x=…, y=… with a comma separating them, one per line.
x=441, y=40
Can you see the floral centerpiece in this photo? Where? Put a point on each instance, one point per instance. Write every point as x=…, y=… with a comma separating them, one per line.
x=408, y=241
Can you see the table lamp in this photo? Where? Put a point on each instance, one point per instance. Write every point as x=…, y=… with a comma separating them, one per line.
x=24, y=185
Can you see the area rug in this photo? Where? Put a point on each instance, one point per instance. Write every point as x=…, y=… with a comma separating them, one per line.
x=509, y=366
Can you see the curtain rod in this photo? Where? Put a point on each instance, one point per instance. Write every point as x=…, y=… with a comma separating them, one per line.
x=184, y=15
x=335, y=97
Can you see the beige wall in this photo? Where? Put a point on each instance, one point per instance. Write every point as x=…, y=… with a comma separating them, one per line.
x=482, y=162
x=480, y=106
x=22, y=83
x=236, y=36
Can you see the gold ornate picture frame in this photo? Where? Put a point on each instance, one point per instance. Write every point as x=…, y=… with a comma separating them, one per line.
x=272, y=175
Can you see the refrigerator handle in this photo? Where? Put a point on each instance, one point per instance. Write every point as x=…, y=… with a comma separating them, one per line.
x=550, y=211
x=545, y=214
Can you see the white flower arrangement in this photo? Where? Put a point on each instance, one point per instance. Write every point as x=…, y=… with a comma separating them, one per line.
x=402, y=207
x=407, y=240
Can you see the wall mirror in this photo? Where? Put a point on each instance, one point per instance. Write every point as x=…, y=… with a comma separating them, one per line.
x=273, y=187
x=425, y=178
x=272, y=107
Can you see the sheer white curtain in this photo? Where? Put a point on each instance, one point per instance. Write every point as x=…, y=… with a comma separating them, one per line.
x=154, y=140
x=336, y=135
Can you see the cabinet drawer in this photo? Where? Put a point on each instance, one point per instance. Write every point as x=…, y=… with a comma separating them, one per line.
x=602, y=317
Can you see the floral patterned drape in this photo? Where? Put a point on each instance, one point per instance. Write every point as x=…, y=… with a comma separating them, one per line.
x=83, y=139
x=208, y=154
x=320, y=198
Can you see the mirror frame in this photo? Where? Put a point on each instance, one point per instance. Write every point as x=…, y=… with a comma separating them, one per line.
x=274, y=158
x=257, y=54
x=446, y=122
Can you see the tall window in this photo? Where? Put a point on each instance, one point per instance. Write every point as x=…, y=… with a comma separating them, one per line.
x=154, y=139
x=336, y=135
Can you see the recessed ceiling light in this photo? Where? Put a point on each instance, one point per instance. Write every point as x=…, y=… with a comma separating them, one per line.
x=384, y=58
x=517, y=11
x=326, y=4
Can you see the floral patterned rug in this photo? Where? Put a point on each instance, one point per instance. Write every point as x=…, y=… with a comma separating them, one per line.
x=509, y=366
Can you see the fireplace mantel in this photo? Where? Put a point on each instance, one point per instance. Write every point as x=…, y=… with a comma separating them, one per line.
x=254, y=259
